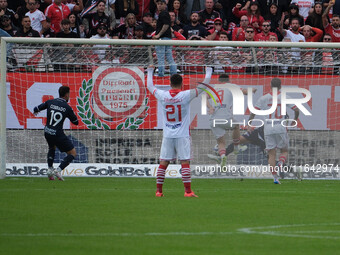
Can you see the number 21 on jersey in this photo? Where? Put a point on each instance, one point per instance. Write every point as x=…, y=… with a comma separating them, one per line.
x=173, y=113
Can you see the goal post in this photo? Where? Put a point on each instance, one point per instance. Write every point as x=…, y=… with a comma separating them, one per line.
x=3, y=109
x=120, y=122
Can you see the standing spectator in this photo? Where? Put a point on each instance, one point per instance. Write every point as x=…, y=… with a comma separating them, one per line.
x=305, y=6
x=208, y=15
x=274, y=18
x=315, y=18
x=177, y=8
x=38, y=19
x=57, y=12
x=214, y=33
x=265, y=34
x=66, y=33
x=239, y=32
x=10, y=13
x=147, y=27
x=124, y=7
x=334, y=28
x=126, y=30
x=336, y=6
x=253, y=13
x=7, y=25
x=94, y=19
x=293, y=12
x=75, y=27
x=26, y=30
x=163, y=32
x=194, y=29
x=192, y=6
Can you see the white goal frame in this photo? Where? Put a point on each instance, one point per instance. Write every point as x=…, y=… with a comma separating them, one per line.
x=6, y=40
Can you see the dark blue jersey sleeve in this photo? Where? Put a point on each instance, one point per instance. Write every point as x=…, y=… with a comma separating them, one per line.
x=72, y=116
x=41, y=107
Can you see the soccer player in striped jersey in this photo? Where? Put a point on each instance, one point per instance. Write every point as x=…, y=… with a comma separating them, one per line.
x=176, y=141
x=57, y=111
x=275, y=134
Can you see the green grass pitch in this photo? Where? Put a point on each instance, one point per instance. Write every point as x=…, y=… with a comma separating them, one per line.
x=123, y=216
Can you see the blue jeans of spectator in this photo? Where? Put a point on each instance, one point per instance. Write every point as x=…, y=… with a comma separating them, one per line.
x=3, y=33
x=163, y=52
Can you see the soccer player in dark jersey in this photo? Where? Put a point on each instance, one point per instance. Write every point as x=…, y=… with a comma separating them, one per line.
x=255, y=137
x=57, y=111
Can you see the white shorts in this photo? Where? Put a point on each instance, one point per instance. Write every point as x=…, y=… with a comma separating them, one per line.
x=274, y=141
x=173, y=148
x=220, y=129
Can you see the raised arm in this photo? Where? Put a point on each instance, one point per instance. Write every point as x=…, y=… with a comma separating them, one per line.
x=195, y=92
x=282, y=31
x=325, y=14
x=150, y=85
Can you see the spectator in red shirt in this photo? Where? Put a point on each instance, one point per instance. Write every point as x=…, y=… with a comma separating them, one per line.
x=334, y=28
x=307, y=32
x=253, y=13
x=238, y=32
x=265, y=34
x=214, y=33
x=57, y=12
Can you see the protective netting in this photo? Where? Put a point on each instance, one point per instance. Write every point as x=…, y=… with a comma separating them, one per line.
x=124, y=125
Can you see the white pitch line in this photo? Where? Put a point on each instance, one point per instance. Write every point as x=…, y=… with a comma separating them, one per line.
x=316, y=231
x=114, y=234
x=257, y=230
x=265, y=230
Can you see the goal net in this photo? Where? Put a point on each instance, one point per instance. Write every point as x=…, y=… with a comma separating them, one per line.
x=120, y=130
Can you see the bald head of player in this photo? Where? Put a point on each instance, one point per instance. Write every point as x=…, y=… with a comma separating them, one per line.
x=276, y=83
x=64, y=92
x=176, y=81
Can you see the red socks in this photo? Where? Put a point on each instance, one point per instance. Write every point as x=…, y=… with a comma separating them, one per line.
x=186, y=177
x=160, y=178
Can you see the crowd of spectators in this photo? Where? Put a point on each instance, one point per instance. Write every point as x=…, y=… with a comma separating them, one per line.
x=236, y=20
